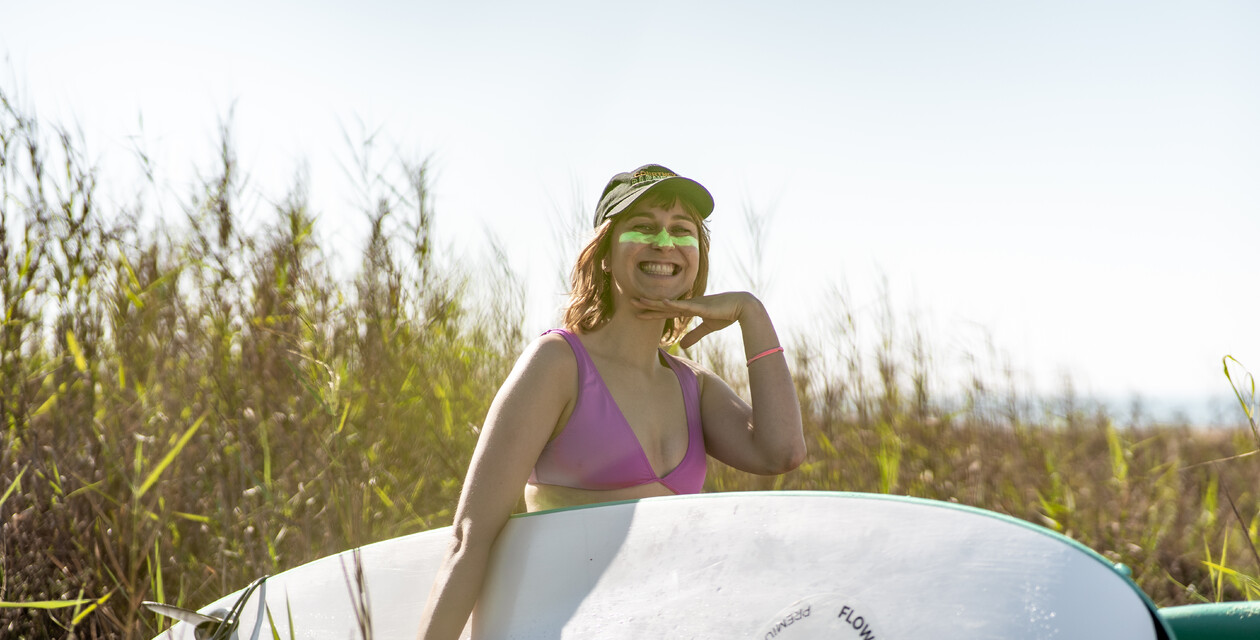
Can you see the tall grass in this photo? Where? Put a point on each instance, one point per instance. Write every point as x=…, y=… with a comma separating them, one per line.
x=185, y=409
x=189, y=405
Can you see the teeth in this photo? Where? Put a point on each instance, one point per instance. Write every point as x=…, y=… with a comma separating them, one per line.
x=657, y=269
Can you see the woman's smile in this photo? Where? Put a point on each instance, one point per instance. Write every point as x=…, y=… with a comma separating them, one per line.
x=658, y=268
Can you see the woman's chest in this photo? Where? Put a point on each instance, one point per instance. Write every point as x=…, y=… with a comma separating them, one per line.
x=655, y=411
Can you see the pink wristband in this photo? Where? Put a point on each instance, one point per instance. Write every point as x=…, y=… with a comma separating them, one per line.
x=764, y=354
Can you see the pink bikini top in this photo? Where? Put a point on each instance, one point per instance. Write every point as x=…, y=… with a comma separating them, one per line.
x=597, y=448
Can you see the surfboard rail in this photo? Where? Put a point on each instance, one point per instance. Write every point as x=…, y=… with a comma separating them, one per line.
x=1214, y=620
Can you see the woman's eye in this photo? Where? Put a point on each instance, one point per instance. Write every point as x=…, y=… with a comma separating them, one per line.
x=682, y=231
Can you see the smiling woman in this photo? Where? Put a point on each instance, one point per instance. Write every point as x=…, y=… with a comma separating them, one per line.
x=599, y=411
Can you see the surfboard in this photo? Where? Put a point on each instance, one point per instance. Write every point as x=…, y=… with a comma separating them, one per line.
x=759, y=565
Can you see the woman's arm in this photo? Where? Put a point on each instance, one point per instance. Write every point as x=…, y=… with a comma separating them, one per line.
x=764, y=438
x=520, y=421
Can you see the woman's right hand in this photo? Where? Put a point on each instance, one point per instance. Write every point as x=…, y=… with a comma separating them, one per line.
x=716, y=312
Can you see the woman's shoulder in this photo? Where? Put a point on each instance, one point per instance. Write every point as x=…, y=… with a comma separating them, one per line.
x=545, y=369
x=549, y=353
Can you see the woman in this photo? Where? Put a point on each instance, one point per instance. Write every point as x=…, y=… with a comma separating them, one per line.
x=598, y=412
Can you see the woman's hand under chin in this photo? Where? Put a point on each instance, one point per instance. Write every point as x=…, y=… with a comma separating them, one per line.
x=716, y=312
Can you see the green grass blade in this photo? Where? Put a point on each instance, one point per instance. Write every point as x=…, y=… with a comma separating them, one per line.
x=80, y=362
x=90, y=608
x=1247, y=407
x=275, y=633
x=1115, y=446
x=158, y=588
x=16, y=484
x=45, y=604
x=170, y=456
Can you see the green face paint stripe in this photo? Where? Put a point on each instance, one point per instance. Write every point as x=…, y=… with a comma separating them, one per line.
x=661, y=239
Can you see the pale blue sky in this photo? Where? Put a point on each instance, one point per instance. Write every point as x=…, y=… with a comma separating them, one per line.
x=1078, y=180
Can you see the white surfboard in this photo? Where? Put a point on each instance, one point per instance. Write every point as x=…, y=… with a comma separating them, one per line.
x=764, y=566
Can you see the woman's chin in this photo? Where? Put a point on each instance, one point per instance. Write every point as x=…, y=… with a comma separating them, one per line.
x=671, y=288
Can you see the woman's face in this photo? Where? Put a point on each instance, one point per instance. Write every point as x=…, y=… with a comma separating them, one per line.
x=655, y=253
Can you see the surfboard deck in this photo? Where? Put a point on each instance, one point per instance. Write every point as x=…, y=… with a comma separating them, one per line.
x=770, y=565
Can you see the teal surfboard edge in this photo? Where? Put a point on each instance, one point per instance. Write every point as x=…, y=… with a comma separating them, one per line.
x=1215, y=620
x=1118, y=569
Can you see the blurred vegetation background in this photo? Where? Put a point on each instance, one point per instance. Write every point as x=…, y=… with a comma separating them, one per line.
x=188, y=405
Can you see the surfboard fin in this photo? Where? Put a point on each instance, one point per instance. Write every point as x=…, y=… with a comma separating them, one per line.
x=216, y=625
x=204, y=626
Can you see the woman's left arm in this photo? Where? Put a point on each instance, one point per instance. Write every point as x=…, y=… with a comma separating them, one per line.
x=765, y=438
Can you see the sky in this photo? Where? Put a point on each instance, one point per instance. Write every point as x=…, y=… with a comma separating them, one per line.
x=1075, y=183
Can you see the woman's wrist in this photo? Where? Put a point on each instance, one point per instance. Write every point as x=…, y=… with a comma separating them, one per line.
x=750, y=308
x=758, y=332
x=767, y=352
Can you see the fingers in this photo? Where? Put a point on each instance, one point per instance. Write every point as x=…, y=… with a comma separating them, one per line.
x=661, y=309
x=676, y=305
x=694, y=336
x=716, y=312
x=713, y=317
x=702, y=307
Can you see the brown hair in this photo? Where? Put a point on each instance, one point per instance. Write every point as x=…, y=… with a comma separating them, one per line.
x=590, y=294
